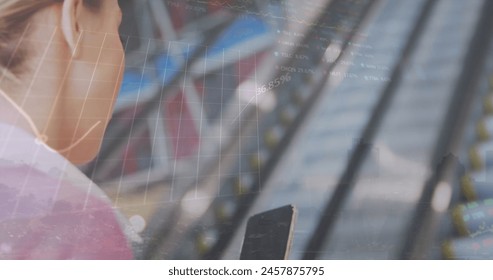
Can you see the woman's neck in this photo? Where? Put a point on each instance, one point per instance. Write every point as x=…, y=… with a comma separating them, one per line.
x=28, y=116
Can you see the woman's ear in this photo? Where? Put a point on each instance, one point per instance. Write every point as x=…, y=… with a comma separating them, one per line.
x=71, y=25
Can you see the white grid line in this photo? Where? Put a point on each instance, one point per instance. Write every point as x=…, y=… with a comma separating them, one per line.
x=21, y=39
x=179, y=127
x=39, y=146
x=221, y=126
x=115, y=95
x=84, y=105
x=50, y=116
x=5, y=72
x=161, y=97
x=239, y=135
x=131, y=130
x=257, y=111
x=200, y=130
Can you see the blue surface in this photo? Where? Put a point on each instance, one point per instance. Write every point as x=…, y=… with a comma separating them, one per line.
x=133, y=81
x=167, y=67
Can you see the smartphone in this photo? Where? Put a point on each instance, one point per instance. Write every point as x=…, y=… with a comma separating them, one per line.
x=268, y=235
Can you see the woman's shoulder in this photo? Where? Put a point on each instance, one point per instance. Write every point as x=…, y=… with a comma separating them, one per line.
x=44, y=217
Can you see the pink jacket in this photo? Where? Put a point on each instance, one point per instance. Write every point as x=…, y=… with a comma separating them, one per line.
x=50, y=210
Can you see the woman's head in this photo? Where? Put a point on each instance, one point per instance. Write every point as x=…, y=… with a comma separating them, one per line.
x=61, y=61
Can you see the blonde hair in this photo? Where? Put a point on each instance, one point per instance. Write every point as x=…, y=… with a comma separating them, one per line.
x=14, y=20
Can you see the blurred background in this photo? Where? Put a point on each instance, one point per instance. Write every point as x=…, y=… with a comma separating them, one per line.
x=372, y=117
